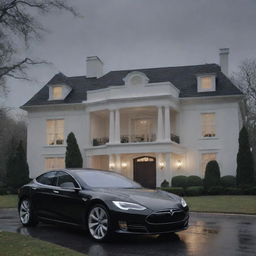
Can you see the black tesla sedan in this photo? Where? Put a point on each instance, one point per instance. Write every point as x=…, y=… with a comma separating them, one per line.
x=103, y=202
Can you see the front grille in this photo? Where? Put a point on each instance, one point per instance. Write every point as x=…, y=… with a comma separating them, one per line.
x=166, y=216
x=136, y=228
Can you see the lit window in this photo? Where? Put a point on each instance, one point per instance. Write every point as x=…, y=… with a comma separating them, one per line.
x=57, y=93
x=206, y=158
x=206, y=83
x=52, y=163
x=55, y=132
x=208, y=125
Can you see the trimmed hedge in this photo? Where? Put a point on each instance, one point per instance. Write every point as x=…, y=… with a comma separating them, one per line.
x=194, y=180
x=212, y=175
x=216, y=190
x=228, y=181
x=175, y=190
x=194, y=191
x=179, y=181
x=233, y=191
x=165, y=184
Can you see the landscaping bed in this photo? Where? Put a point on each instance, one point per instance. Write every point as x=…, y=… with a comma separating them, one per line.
x=16, y=244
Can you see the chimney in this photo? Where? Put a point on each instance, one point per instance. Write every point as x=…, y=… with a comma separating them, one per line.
x=224, y=52
x=94, y=67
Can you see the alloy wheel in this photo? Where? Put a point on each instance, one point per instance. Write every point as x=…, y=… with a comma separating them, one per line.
x=25, y=212
x=98, y=223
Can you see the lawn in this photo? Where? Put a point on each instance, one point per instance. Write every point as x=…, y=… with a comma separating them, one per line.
x=226, y=204
x=16, y=244
x=9, y=201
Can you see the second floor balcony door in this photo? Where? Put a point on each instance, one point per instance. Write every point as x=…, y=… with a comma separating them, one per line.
x=142, y=130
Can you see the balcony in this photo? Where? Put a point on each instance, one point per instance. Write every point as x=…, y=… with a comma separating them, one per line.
x=133, y=139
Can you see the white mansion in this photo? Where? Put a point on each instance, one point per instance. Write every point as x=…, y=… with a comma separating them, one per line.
x=148, y=124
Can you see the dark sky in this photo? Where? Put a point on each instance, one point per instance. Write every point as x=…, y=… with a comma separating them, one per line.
x=140, y=33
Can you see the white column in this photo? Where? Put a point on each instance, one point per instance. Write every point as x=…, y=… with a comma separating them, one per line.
x=167, y=128
x=160, y=124
x=117, y=126
x=111, y=126
x=168, y=167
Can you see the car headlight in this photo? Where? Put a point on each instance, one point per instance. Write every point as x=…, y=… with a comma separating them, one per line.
x=183, y=203
x=128, y=206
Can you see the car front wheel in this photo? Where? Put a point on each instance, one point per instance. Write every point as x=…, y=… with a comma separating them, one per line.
x=99, y=223
x=27, y=217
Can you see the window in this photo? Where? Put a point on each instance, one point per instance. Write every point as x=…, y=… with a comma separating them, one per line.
x=55, y=132
x=65, y=180
x=52, y=163
x=206, y=83
x=57, y=93
x=208, y=125
x=206, y=158
x=48, y=178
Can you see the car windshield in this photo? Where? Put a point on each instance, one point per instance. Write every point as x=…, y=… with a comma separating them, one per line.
x=103, y=179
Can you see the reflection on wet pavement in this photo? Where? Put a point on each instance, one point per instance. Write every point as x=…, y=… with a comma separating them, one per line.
x=207, y=235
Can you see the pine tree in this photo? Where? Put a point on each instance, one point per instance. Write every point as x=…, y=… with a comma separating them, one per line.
x=244, y=171
x=73, y=155
x=17, y=169
x=212, y=175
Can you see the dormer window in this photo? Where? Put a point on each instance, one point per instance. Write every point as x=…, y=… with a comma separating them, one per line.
x=206, y=83
x=57, y=93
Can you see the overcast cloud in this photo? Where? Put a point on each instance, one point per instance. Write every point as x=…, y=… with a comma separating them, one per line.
x=138, y=34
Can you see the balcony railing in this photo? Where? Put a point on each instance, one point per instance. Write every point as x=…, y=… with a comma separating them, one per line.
x=133, y=139
x=138, y=138
x=175, y=138
x=100, y=141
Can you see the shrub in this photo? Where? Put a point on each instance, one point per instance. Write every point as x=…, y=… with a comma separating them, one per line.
x=165, y=184
x=228, y=181
x=179, y=181
x=212, y=175
x=3, y=191
x=73, y=157
x=233, y=191
x=194, y=190
x=251, y=190
x=175, y=190
x=194, y=180
x=216, y=190
x=244, y=171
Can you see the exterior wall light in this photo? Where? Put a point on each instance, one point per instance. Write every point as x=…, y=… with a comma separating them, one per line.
x=123, y=164
x=161, y=164
x=111, y=165
x=179, y=164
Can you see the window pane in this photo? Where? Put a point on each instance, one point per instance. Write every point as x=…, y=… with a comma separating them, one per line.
x=208, y=125
x=52, y=163
x=65, y=179
x=55, y=132
x=206, y=83
x=48, y=179
x=57, y=92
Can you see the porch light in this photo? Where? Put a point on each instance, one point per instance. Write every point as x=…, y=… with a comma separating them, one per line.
x=179, y=164
x=123, y=164
x=161, y=164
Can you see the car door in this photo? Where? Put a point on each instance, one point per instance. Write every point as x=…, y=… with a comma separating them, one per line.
x=43, y=195
x=69, y=204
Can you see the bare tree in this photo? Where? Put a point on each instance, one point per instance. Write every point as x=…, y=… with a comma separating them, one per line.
x=19, y=25
x=245, y=79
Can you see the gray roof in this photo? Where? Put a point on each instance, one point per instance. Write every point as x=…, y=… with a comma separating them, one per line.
x=183, y=77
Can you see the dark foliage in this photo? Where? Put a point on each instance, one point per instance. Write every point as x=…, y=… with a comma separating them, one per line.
x=212, y=175
x=179, y=181
x=194, y=180
x=228, y=181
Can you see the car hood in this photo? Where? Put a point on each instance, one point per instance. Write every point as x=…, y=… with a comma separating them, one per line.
x=152, y=199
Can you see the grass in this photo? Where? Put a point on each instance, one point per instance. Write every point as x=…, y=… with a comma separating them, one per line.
x=223, y=204
x=16, y=244
x=8, y=201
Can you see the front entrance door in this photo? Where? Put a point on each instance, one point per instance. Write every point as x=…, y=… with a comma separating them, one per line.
x=144, y=171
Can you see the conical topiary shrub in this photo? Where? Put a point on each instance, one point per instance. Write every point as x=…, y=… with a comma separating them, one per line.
x=73, y=157
x=212, y=175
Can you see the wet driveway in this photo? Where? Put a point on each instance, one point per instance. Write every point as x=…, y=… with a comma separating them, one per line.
x=209, y=234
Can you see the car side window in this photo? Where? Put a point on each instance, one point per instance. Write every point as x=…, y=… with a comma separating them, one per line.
x=48, y=178
x=65, y=180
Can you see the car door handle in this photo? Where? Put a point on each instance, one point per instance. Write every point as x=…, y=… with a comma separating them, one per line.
x=56, y=191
